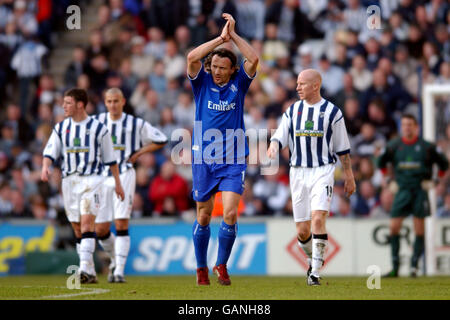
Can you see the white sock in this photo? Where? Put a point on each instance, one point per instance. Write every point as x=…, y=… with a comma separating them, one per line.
x=87, y=248
x=319, y=244
x=122, y=247
x=306, y=247
x=108, y=245
x=77, y=246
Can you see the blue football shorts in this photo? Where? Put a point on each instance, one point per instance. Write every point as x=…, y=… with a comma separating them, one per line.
x=207, y=179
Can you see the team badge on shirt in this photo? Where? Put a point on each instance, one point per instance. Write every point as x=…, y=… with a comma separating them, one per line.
x=309, y=125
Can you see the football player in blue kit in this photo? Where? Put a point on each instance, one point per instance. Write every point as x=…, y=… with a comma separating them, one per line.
x=219, y=147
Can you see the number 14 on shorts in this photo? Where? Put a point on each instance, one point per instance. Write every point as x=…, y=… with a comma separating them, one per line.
x=329, y=191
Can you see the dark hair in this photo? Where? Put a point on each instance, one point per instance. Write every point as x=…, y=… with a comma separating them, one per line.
x=223, y=53
x=77, y=95
x=409, y=116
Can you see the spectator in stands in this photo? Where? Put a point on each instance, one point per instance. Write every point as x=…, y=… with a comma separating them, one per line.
x=344, y=209
x=415, y=41
x=347, y=92
x=431, y=57
x=353, y=121
x=444, y=73
x=250, y=19
x=444, y=211
x=373, y=53
x=12, y=38
x=294, y=27
x=6, y=205
x=422, y=22
x=353, y=45
x=141, y=63
x=398, y=26
x=365, y=199
x=156, y=47
x=142, y=182
x=149, y=109
x=388, y=43
x=441, y=40
x=378, y=117
x=184, y=110
x=7, y=137
x=76, y=67
x=405, y=68
x=273, y=47
x=355, y=16
x=362, y=77
x=120, y=47
x=365, y=142
x=183, y=39
x=167, y=122
x=96, y=45
x=174, y=63
x=19, y=124
x=383, y=208
x=24, y=19
x=27, y=64
x=157, y=78
x=19, y=205
x=97, y=72
x=168, y=184
x=332, y=78
x=341, y=59
x=395, y=98
x=272, y=194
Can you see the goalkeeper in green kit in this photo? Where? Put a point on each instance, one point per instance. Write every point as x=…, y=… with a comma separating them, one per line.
x=412, y=159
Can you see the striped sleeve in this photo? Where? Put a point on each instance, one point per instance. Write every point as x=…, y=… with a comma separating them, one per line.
x=106, y=147
x=282, y=133
x=53, y=147
x=151, y=134
x=340, y=137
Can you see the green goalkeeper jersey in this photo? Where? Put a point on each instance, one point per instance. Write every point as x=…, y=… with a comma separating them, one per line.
x=412, y=162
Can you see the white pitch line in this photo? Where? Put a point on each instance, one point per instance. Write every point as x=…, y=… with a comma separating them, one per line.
x=69, y=295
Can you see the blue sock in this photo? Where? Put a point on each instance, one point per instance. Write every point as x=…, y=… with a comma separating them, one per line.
x=227, y=235
x=201, y=235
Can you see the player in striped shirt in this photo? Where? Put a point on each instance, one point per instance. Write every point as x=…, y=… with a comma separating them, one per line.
x=84, y=144
x=131, y=137
x=314, y=130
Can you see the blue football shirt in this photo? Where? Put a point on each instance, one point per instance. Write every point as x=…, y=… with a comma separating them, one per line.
x=219, y=130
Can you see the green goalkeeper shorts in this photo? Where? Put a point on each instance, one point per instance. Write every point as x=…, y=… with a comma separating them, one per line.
x=410, y=201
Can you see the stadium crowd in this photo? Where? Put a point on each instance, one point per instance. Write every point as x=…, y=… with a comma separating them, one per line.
x=140, y=46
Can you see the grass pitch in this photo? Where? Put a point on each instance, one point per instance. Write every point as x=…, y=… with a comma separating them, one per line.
x=242, y=288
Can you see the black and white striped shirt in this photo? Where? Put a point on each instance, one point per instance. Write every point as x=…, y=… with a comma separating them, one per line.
x=128, y=135
x=315, y=133
x=85, y=147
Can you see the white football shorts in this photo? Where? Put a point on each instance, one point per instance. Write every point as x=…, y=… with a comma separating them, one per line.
x=82, y=195
x=311, y=190
x=113, y=208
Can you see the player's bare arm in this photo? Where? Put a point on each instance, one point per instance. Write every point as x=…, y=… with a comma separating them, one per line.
x=349, y=183
x=45, y=173
x=119, y=190
x=151, y=147
x=273, y=149
x=247, y=51
x=194, y=57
